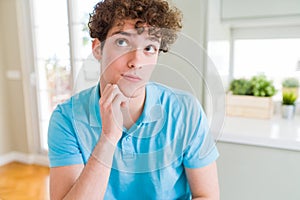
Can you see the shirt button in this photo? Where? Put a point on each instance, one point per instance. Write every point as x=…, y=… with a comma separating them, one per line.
x=128, y=138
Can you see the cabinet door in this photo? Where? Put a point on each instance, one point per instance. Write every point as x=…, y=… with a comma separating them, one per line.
x=240, y=9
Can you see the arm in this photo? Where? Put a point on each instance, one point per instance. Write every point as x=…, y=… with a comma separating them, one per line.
x=90, y=181
x=79, y=182
x=204, y=182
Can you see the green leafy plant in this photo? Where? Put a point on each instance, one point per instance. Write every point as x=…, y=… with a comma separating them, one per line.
x=240, y=87
x=290, y=83
x=257, y=86
x=289, y=98
x=262, y=87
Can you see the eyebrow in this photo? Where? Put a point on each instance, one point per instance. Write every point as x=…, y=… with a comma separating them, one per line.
x=153, y=39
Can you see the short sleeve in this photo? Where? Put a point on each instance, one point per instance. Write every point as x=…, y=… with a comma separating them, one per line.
x=202, y=150
x=62, y=142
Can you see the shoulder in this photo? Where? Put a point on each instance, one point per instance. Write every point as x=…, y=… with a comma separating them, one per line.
x=161, y=89
x=174, y=97
x=79, y=101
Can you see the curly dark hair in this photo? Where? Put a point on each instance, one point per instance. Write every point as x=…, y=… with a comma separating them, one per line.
x=164, y=20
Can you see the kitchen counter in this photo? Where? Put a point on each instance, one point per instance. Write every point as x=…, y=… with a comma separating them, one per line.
x=275, y=132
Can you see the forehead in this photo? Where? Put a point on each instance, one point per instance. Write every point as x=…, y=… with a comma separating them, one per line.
x=124, y=25
x=129, y=26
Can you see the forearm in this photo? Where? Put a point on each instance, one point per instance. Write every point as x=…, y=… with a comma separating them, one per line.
x=92, y=182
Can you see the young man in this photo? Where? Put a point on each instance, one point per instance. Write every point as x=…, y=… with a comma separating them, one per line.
x=127, y=138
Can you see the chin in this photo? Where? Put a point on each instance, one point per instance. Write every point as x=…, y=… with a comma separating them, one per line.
x=132, y=91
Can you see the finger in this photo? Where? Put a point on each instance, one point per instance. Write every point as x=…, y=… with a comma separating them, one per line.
x=107, y=90
x=117, y=111
x=122, y=99
x=107, y=96
x=118, y=99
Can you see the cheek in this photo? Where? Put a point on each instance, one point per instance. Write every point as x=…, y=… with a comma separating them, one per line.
x=110, y=58
x=110, y=71
x=147, y=71
x=112, y=62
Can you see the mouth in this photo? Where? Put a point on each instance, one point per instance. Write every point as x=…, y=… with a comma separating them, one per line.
x=131, y=77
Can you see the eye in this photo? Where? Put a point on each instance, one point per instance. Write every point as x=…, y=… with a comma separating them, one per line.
x=151, y=49
x=121, y=42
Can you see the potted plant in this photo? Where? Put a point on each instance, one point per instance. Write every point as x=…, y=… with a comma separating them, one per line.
x=290, y=85
x=262, y=87
x=240, y=87
x=251, y=97
x=288, y=105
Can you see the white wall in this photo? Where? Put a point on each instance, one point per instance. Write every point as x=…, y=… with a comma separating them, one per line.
x=216, y=30
x=12, y=97
x=174, y=68
x=5, y=139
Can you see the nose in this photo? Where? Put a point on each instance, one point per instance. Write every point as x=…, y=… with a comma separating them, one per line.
x=135, y=58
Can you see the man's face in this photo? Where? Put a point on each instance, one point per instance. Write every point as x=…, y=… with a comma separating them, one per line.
x=128, y=58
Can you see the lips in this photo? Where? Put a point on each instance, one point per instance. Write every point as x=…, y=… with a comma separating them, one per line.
x=131, y=77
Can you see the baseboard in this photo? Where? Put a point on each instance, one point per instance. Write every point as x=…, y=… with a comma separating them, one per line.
x=24, y=158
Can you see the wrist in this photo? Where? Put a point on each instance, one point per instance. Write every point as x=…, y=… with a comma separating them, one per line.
x=110, y=138
x=104, y=151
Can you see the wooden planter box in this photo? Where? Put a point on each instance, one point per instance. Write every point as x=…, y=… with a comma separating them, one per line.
x=249, y=106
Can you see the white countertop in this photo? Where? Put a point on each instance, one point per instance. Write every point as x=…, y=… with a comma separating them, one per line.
x=275, y=132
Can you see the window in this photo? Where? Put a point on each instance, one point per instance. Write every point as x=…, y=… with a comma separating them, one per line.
x=276, y=58
x=62, y=44
x=272, y=51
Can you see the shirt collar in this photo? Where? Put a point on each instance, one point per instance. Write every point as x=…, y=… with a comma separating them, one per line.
x=152, y=108
x=152, y=111
x=94, y=108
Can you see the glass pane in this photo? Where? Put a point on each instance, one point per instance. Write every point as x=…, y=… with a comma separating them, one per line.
x=276, y=58
x=45, y=109
x=58, y=74
x=219, y=53
x=54, y=84
x=53, y=70
x=52, y=42
x=50, y=13
x=80, y=32
x=43, y=138
x=54, y=87
x=82, y=41
x=84, y=63
x=84, y=8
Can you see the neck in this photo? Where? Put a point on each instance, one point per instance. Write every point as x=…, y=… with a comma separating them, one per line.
x=133, y=110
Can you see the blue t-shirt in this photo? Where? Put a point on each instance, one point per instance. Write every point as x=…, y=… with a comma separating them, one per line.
x=172, y=133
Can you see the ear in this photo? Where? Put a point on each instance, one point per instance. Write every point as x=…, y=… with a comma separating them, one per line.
x=96, y=48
